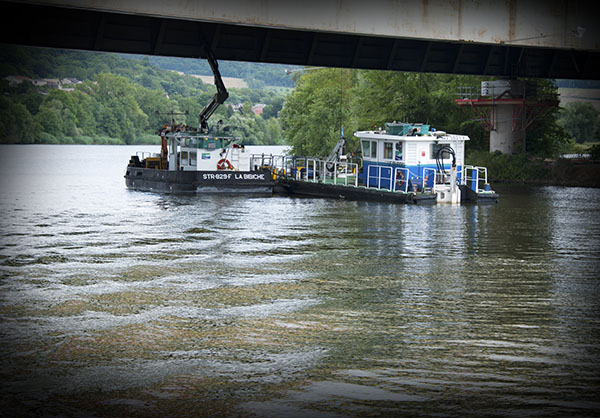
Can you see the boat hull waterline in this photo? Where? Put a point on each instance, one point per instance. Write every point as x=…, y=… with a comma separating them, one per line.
x=164, y=181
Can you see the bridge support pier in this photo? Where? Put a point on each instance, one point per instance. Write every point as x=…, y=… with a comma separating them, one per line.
x=506, y=108
x=507, y=135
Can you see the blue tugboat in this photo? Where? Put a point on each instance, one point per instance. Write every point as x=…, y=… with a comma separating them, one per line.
x=405, y=163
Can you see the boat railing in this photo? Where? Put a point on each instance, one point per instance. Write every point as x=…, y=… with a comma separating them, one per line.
x=343, y=172
x=318, y=170
x=268, y=161
x=293, y=167
x=431, y=177
x=474, y=177
x=313, y=170
x=402, y=177
x=385, y=177
x=142, y=155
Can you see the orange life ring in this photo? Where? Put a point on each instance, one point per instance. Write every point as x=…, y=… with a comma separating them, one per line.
x=224, y=164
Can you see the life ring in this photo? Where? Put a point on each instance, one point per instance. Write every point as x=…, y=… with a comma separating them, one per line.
x=224, y=164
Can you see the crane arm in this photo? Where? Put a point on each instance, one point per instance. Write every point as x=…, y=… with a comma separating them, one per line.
x=219, y=98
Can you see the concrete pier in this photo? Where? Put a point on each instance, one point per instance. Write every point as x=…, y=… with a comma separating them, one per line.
x=504, y=138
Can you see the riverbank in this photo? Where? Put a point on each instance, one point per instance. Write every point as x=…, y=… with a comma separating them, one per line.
x=142, y=139
x=569, y=173
x=527, y=169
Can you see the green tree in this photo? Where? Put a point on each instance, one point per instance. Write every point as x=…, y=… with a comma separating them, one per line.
x=545, y=137
x=273, y=134
x=151, y=102
x=580, y=120
x=122, y=116
x=50, y=117
x=272, y=109
x=17, y=124
x=315, y=111
x=246, y=128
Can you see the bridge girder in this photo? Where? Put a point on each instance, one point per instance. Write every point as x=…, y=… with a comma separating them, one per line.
x=72, y=28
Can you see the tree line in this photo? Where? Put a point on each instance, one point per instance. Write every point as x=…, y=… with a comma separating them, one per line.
x=255, y=74
x=325, y=100
x=125, y=99
x=119, y=101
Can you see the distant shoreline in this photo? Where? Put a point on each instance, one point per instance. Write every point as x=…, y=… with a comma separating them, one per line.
x=563, y=173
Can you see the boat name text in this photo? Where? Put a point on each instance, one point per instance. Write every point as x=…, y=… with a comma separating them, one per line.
x=236, y=176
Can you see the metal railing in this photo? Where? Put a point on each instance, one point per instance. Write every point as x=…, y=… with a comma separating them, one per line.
x=142, y=155
x=469, y=92
x=275, y=163
x=348, y=172
x=472, y=176
x=385, y=177
x=316, y=170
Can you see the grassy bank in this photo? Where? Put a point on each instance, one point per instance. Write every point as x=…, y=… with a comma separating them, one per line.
x=505, y=167
x=523, y=168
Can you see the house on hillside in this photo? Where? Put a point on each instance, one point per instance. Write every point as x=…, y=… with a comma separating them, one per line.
x=237, y=107
x=53, y=83
x=70, y=81
x=13, y=80
x=258, y=108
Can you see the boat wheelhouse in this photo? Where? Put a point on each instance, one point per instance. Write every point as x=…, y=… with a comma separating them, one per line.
x=414, y=146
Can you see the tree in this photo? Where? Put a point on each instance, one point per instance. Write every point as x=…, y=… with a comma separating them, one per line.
x=273, y=132
x=50, y=117
x=580, y=120
x=121, y=101
x=315, y=111
x=272, y=109
x=16, y=123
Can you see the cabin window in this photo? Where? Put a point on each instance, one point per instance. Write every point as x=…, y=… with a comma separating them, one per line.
x=184, y=158
x=193, y=158
x=436, y=147
x=366, y=148
x=388, y=150
x=398, y=152
x=369, y=149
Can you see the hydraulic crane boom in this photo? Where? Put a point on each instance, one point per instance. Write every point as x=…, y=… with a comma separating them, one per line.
x=219, y=98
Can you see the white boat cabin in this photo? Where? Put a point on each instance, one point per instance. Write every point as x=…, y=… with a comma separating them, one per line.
x=409, y=145
x=206, y=153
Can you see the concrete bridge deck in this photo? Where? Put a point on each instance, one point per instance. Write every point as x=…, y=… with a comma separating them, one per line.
x=550, y=39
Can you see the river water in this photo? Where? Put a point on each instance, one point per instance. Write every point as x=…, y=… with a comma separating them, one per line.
x=122, y=303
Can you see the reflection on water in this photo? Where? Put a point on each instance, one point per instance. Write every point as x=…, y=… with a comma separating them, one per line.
x=125, y=303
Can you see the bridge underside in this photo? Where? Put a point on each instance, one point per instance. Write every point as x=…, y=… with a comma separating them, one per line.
x=56, y=27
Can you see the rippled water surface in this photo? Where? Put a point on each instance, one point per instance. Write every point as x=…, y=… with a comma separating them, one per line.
x=116, y=303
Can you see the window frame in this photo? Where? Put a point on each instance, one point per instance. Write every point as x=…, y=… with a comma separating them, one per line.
x=434, y=149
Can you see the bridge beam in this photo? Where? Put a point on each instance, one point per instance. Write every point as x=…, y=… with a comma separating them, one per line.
x=325, y=35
